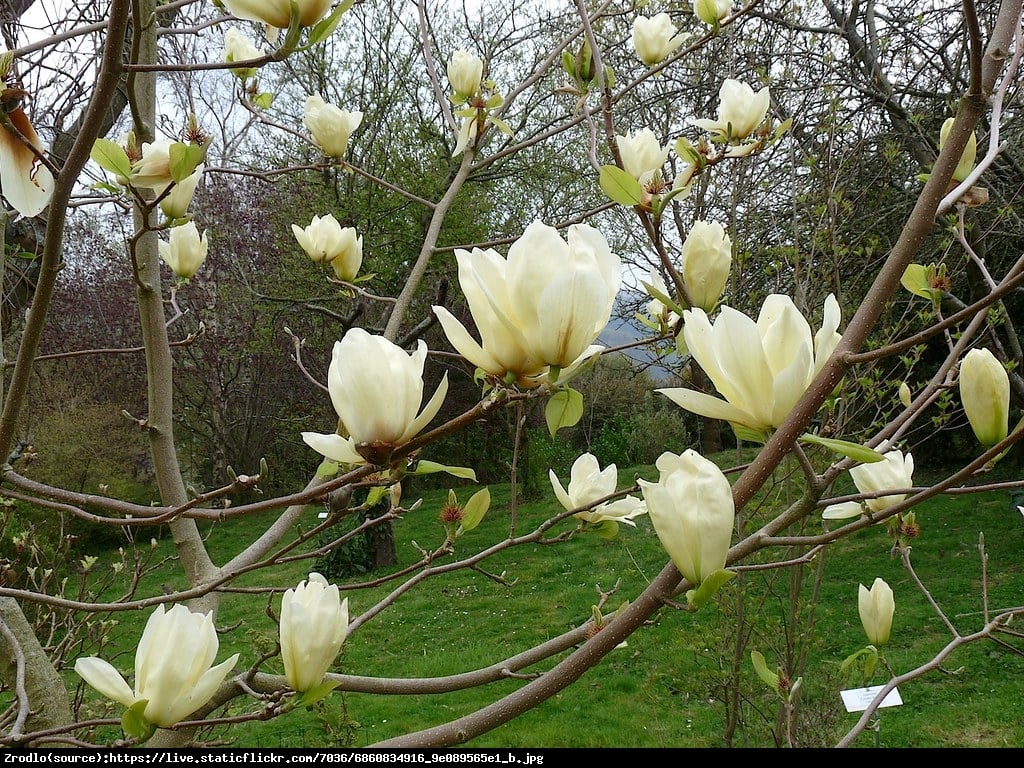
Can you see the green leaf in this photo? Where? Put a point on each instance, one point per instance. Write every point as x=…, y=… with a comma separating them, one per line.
x=501, y=125
x=184, y=158
x=569, y=63
x=685, y=150
x=768, y=677
x=424, y=467
x=314, y=694
x=607, y=529
x=783, y=127
x=870, y=655
x=375, y=494
x=663, y=298
x=745, y=433
x=328, y=24
x=102, y=186
x=620, y=186
x=291, y=37
x=699, y=597
x=475, y=509
x=609, y=77
x=134, y=722
x=916, y=280
x=854, y=451
x=564, y=409
x=327, y=469
x=263, y=100
x=110, y=156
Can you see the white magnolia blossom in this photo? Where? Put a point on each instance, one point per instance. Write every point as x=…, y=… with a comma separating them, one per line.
x=543, y=306
x=238, y=47
x=465, y=71
x=740, y=111
x=466, y=137
x=278, y=13
x=985, y=392
x=876, y=607
x=642, y=155
x=895, y=471
x=706, y=260
x=377, y=389
x=176, y=203
x=25, y=181
x=693, y=513
x=325, y=240
x=761, y=368
x=588, y=483
x=711, y=11
x=173, y=671
x=329, y=125
x=186, y=250
x=314, y=624
x=655, y=38
x=153, y=169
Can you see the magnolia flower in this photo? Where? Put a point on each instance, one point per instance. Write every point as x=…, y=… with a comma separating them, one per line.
x=278, y=13
x=693, y=513
x=186, y=251
x=329, y=125
x=655, y=38
x=966, y=164
x=153, y=170
x=176, y=203
x=326, y=241
x=26, y=182
x=465, y=71
x=588, y=483
x=711, y=11
x=876, y=608
x=376, y=388
x=985, y=392
x=641, y=154
x=895, y=471
x=740, y=111
x=172, y=667
x=314, y=623
x=762, y=368
x=238, y=47
x=706, y=257
x=468, y=132
x=542, y=307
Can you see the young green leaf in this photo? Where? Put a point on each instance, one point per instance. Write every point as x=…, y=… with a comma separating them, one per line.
x=475, y=509
x=620, y=186
x=699, y=597
x=768, y=677
x=134, y=722
x=424, y=467
x=110, y=156
x=854, y=451
x=564, y=409
x=327, y=469
x=328, y=24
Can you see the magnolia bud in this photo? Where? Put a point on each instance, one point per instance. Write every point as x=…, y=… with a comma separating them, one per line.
x=985, y=392
x=966, y=164
x=876, y=610
x=707, y=258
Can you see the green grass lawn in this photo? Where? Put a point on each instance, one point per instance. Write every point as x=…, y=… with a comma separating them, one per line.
x=666, y=688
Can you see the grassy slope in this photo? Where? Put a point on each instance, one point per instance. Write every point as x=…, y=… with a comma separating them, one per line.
x=662, y=689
